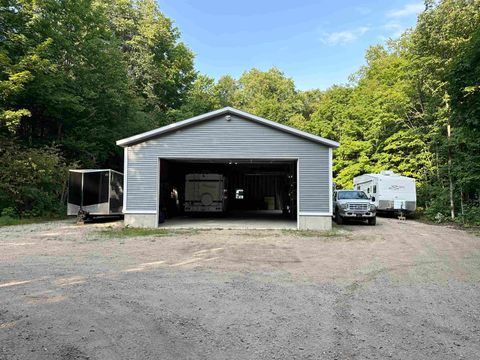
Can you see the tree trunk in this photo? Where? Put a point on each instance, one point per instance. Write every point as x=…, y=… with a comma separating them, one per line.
x=59, y=131
x=439, y=179
x=462, y=201
x=450, y=181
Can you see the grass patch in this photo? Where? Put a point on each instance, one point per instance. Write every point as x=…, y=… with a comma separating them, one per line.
x=9, y=221
x=126, y=232
x=474, y=230
x=312, y=233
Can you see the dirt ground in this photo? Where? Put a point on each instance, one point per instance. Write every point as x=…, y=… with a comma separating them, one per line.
x=399, y=290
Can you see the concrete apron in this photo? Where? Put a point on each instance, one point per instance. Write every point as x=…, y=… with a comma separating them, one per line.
x=242, y=222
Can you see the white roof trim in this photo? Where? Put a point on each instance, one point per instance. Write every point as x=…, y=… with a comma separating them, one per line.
x=227, y=110
x=93, y=170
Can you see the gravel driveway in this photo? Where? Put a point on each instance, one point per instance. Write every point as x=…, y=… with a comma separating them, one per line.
x=400, y=290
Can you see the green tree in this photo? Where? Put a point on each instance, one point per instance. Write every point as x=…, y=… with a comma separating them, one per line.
x=76, y=95
x=226, y=88
x=201, y=98
x=20, y=59
x=160, y=66
x=438, y=41
x=464, y=88
x=268, y=94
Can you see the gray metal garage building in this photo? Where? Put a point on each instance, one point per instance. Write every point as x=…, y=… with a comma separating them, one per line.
x=265, y=159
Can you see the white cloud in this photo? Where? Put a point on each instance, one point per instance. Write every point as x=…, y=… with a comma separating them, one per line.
x=394, y=28
x=343, y=37
x=407, y=10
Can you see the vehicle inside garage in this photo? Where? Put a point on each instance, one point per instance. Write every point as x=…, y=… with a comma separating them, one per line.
x=231, y=189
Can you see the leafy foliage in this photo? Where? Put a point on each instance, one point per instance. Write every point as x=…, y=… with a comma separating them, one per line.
x=32, y=181
x=75, y=76
x=160, y=67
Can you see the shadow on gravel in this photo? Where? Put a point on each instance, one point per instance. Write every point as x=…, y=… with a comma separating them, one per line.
x=103, y=219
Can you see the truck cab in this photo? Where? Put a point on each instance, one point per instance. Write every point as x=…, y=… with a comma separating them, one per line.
x=353, y=204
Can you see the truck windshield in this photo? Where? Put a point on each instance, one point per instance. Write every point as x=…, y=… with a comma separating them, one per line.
x=351, y=195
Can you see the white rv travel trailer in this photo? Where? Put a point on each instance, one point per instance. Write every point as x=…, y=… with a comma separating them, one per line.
x=389, y=192
x=204, y=193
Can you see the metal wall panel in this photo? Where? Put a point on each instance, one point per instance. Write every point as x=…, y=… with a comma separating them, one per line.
x=221, y=138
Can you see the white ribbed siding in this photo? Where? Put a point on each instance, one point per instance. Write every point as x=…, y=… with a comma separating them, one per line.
x=219, y=138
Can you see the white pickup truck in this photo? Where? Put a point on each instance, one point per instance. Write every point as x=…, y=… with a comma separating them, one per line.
x=353, y=204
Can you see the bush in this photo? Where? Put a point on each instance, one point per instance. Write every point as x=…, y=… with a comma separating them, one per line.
x=435, y=201
x=437, y=207
x=32, y=181
x=471, y=215
x=9, y=212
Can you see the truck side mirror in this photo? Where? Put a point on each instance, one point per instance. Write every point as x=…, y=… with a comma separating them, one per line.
x=372, y=198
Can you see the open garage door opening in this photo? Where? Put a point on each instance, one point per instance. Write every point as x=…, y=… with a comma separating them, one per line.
x=228, y=192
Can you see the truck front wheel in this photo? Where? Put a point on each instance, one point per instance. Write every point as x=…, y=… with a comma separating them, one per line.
x=338, y=218
x=372, y=221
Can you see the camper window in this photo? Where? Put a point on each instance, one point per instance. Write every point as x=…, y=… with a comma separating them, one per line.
x=374, y=189
x=239, y=194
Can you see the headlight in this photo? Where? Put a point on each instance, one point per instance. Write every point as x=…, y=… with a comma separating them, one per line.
x=344, y=206
x=372, y=207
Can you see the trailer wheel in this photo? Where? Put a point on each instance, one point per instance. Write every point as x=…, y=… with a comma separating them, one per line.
x=82, y=216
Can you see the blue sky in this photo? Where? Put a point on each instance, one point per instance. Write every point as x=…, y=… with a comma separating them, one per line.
x=317, y=43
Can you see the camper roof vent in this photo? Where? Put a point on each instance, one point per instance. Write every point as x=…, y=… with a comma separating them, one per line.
x=387, y=173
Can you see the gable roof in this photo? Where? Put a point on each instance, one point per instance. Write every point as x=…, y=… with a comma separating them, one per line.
x=225, y=111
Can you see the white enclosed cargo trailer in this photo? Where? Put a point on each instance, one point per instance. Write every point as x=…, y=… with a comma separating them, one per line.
x=204, y=193
x=95, y=192
x=389, y=192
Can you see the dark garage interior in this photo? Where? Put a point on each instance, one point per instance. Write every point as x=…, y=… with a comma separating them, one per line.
x=260, y=189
